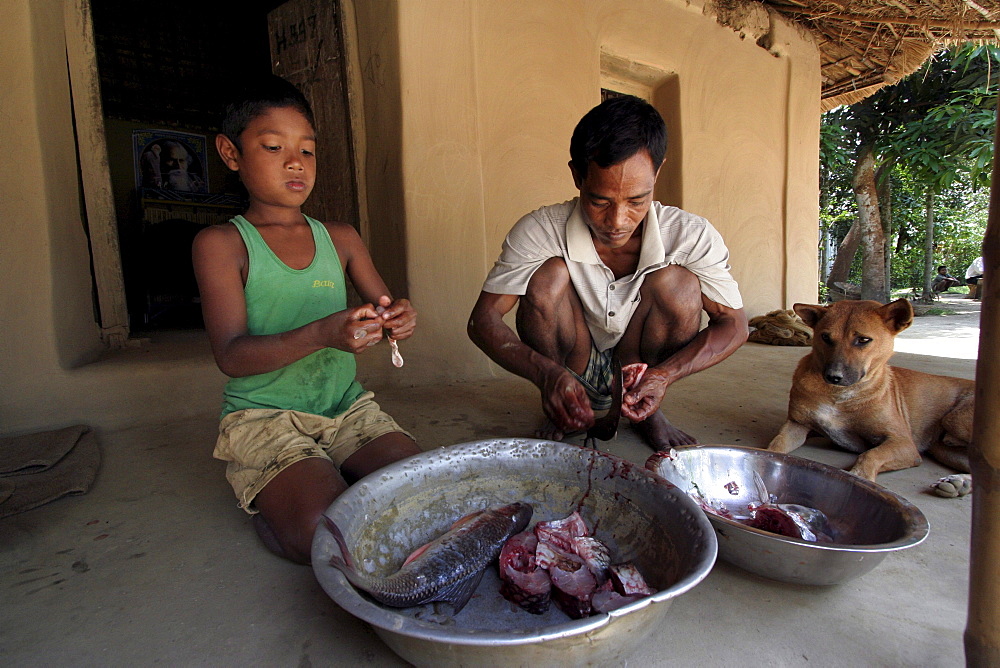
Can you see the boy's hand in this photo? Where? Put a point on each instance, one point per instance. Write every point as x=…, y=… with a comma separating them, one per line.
x=399, y=318
x=352, y=330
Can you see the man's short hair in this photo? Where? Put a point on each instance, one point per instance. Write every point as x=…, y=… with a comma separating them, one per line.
x=255, y=97
x=614, y=131
x=942, y=267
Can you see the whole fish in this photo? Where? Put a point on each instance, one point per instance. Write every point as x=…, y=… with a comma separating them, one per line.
x=448, y=569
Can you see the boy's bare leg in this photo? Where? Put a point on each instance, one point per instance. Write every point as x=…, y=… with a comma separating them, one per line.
x=550, y=321
x=668, y=318
x=293, y=503
x=380, y=452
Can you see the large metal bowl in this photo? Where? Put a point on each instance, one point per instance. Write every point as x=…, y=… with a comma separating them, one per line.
x=868, y=521
x=639, y=515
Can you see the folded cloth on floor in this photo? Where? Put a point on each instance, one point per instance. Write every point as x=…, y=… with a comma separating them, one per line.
x=6, y=489
x=38, y=468
x=780, y=328
x=36, y=452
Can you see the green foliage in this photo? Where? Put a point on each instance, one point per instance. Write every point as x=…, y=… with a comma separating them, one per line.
x=932, y=132
x=960, y=222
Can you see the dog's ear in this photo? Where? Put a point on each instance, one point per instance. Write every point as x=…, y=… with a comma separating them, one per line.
x=898, y=315
x=810, y=313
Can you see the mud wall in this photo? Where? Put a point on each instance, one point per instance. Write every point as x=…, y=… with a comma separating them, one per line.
x=468, y=108
x=489, y=94
x=47, y=324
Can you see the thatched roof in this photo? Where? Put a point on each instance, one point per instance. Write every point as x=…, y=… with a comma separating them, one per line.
x=866, y=44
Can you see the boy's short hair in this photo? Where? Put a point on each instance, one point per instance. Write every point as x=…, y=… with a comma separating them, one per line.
x=942, y=267
x=255, y=97
x=614, y=131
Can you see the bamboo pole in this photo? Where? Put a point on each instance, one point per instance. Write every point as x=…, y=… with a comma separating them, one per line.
x=982, y=631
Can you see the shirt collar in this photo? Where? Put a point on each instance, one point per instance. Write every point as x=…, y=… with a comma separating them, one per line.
x=580, y=245
x=651, y=252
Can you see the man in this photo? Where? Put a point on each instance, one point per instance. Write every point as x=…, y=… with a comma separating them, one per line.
x=177, y=169
x=974, y=276
x=611, y=273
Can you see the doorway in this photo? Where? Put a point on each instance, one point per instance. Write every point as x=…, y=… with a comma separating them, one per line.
x=163, y=73
x=161, y=70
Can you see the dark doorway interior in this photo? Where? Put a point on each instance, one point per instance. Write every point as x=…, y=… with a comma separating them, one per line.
x=163, y=71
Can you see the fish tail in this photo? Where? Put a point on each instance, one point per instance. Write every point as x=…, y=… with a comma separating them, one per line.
x=342, y=561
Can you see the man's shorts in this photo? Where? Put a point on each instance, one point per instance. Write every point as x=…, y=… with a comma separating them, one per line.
x=597, y=378
x=259, y=443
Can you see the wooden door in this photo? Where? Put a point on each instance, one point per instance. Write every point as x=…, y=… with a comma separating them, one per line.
x=307, y=49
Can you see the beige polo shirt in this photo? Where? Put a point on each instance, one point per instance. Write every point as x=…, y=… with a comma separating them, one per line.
x=669, y=236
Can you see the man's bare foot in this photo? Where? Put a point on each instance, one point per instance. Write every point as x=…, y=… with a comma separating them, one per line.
x=660, y=435
x=549, y=431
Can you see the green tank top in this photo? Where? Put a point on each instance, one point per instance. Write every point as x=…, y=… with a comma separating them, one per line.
x=279, y=299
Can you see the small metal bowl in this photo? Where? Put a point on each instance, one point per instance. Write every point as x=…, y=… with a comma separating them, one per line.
x=640, y=516
x=868, y=521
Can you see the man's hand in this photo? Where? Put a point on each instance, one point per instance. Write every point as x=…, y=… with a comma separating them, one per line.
x=726, y=331
x=565, y=402
x=642, y=401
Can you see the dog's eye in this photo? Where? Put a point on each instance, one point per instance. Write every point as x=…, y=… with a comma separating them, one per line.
x=862, y=341
x=826, y=338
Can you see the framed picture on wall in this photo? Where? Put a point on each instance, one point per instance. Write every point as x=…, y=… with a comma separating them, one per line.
x=170, y=161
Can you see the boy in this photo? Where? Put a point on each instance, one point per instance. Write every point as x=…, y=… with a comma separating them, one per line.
x=942, y=280
x=296, y=426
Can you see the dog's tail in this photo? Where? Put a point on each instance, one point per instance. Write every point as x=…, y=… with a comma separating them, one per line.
x=954, y=457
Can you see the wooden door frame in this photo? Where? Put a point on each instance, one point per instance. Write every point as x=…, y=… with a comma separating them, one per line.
x=356, y=112
x=97, y=194
x=95, y=176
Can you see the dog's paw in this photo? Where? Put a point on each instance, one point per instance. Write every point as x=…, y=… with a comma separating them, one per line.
x=958, y=484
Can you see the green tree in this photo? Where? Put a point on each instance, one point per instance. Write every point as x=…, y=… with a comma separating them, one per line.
x=938, y=123
x=953, y=139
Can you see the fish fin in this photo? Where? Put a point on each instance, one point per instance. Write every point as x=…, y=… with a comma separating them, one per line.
x=416, y=553
x=464, y=519
x=342, y=561
x=758, y=483
x=459, y=593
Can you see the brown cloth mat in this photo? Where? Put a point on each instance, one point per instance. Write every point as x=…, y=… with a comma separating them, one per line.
x=780, y=328
x=43, y=467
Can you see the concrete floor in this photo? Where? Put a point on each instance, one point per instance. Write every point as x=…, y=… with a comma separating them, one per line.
x=156, y=565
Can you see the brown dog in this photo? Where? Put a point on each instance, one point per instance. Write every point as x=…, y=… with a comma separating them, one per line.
x=846, y=390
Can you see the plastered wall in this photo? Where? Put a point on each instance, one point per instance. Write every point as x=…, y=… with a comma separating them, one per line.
x=46, y=312
x=468, y=108
x=490, y=93
x=54, y=368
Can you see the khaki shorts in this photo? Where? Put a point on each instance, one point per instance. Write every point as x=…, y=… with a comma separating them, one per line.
x=259, y=443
